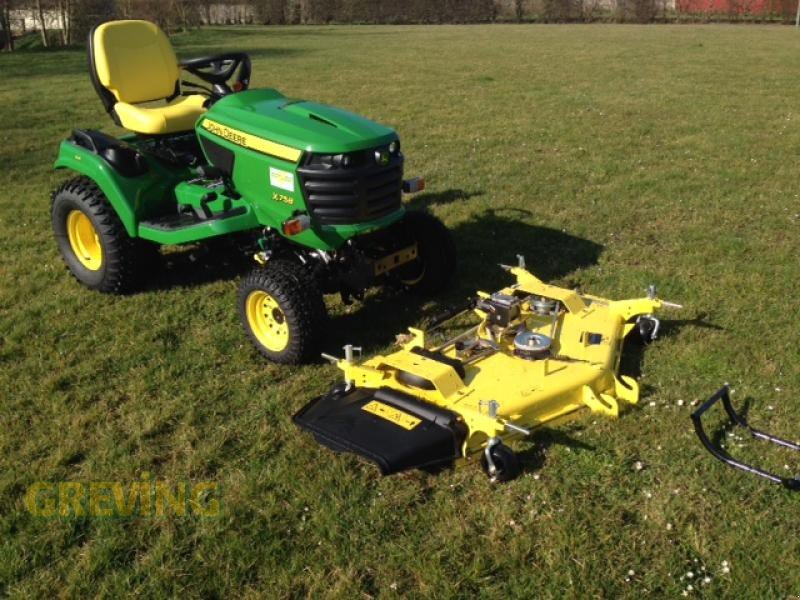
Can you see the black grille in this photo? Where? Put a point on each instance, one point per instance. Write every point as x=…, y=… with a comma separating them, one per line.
x=361, y=191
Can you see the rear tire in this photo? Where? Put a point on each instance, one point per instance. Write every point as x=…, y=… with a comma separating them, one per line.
x=93, y=242
x=435, y=264
x=282, y=311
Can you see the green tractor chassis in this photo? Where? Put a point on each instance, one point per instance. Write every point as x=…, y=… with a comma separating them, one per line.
x=318, y=188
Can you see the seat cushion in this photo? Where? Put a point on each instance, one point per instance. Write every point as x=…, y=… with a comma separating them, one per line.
x=179, y=115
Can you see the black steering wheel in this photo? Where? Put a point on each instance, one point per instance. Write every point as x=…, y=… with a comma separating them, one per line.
x=218, y=70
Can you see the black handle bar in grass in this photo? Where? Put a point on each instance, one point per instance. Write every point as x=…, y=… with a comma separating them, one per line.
x=723, y=395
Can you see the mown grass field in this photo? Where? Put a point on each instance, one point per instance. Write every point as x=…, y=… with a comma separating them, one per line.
x=611, y=156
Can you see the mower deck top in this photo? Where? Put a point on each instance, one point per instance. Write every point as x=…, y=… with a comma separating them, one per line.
x=539, y=353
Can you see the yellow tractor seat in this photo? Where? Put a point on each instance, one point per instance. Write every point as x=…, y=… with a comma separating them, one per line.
x=132, y=63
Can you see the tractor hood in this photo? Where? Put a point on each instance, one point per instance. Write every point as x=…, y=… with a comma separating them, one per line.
x=268, y=114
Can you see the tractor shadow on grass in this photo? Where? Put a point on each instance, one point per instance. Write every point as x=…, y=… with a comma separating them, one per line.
x=481, y=242
x=199, y=264
x=492, y=238
x=425, y=200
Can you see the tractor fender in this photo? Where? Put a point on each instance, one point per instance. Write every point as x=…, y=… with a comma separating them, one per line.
x=120, y=191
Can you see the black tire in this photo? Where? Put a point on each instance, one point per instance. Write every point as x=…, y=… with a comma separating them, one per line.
x=645, y=330
x=435, y=264
x=299, y=306
x=505, y=461
x=122, y=261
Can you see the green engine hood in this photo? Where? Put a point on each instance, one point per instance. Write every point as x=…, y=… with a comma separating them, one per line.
x=268, y=114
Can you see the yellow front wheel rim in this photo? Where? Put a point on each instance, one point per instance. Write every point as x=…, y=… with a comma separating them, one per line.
x=267, y=321
x=84, y=240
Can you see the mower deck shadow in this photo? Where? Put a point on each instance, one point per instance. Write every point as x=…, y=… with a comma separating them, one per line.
x=633, y=351
x=534, y=457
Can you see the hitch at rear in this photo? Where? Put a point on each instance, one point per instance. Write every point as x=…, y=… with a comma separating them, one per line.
x=717, y=452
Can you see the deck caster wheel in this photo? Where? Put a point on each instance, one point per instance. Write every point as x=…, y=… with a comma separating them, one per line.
x=338, y=389
x=648, y=327
x=500, y=463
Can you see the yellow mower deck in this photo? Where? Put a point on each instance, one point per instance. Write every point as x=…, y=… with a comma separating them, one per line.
x=495, y=388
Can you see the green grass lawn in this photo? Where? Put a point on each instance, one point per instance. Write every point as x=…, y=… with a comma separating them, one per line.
x=611, y=156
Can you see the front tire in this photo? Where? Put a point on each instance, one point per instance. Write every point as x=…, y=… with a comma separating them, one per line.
x=282, y=311
x=92, y=240
x=435, y=264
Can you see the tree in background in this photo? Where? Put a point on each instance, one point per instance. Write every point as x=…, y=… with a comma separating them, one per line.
x=6, y=37
x=85, y=14
x=64, y=7
x=74, y=18
x=270, y=12
x=38, y=5
x=519, y=10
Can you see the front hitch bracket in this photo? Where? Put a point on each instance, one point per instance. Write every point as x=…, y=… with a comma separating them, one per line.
x=717, y=452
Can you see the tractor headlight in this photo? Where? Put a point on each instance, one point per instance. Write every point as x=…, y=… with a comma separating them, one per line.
x=394, y=147
x=381, y=157
x=330, y=161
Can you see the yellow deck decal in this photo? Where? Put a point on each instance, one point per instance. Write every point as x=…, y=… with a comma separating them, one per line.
x=250, y=141
x=391, y=414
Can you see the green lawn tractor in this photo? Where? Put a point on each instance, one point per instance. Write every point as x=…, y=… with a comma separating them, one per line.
x=317, y=189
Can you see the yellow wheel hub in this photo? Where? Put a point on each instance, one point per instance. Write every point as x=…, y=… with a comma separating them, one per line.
x=84, y=240
x=267, y=321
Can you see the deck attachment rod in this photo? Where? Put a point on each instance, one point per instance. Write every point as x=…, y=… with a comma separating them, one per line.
x=517, y=429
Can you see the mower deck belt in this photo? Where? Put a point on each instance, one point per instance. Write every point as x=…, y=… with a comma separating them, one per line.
x=457, y=365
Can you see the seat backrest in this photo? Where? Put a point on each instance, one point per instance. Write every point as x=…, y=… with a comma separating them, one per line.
x=132, y=61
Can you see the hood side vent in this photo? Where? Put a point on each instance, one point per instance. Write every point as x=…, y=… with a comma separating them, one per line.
x=320, y=119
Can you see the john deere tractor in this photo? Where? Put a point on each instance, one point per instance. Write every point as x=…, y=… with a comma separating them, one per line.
x=317, y=189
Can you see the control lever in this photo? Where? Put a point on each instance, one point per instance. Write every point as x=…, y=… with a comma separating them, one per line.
x=210, y=172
